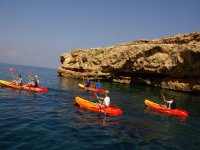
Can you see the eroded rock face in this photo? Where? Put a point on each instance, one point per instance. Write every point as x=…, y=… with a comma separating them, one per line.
x=171, y=63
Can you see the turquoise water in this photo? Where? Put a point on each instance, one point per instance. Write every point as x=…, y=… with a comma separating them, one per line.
x=51, y=120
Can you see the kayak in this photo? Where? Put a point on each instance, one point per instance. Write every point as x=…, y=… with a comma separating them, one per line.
x=162, y=109
x=95, y=107
x=25, y=87
x=90, y=88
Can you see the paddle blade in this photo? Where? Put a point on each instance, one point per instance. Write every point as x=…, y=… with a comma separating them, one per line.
x=11, y=70
x=28, y=73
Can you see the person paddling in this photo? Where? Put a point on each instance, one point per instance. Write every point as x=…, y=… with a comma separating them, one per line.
x=105, y=101
x=171, y=103
x=87, y=83
x=98, y=84
x=18, y=80
x=35, y=82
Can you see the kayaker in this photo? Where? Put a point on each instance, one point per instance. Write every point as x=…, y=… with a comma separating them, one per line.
x=171, y=103
x=18, y=80
x=87, y=83
x=105, y=101
x=98, y=84
x=35, y=82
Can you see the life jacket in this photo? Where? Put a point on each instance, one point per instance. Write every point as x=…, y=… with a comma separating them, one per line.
x=87, y=83
x=36, y=83
x=173, y=105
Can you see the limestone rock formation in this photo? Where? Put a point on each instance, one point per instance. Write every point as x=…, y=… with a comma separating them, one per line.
x=171, y=63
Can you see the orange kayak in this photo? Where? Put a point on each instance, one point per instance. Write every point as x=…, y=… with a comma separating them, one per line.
x=162, y=109
x=90, y=88
x=37, y=89
x=95, y=107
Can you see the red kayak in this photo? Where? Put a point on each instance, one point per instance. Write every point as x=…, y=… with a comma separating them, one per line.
x=96, y=108
x=37, y=89
x=91, y=88
x=162, y=109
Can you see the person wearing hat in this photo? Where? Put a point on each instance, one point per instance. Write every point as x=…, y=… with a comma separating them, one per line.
x=35, y=82
x=18, y=80
x=105, y=101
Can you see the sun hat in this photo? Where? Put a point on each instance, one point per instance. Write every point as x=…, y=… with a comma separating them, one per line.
x=106, y=91
x=35, y=76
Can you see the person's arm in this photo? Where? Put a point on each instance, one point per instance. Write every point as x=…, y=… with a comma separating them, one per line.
x=164, y=99
x=100, y=98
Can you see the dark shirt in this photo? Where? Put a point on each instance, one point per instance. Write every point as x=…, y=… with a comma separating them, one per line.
x=87, y=83
x=173, y=105
x=36, y=82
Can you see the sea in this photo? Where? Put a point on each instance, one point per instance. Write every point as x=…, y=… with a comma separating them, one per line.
x=53, y=121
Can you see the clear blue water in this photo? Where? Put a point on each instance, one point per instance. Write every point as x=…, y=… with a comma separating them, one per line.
x=52, y=121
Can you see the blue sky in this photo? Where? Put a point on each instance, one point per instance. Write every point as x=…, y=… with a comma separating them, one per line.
x=37, y=32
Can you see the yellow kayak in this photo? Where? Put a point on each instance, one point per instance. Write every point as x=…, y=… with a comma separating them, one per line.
x=90, y=88
x=9, y=84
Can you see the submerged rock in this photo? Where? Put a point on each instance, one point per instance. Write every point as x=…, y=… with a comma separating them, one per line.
x=171, y=63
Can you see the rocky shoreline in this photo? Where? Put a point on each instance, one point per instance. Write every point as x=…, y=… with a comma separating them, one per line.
x=171, y=63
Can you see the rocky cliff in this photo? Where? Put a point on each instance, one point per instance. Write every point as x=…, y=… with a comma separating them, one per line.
x=171, y=63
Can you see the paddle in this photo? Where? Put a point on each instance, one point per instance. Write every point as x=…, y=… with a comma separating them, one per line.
x=163, y=98
x=95, y=94
x=100, y=103
x=162, y=95
x=12, y=71
x=29, y=74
